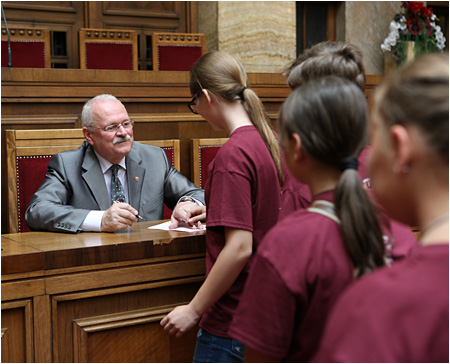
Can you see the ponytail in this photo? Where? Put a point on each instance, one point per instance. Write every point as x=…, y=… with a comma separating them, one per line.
x=359, y=222
x=260, y=119
x=330, y=116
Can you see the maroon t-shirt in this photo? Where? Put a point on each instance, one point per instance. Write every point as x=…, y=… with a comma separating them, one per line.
x=299, y=270
x=399, y=238
x=242, y=192
x=397, y=315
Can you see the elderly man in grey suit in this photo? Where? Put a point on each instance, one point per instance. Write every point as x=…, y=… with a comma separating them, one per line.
x=110, y=180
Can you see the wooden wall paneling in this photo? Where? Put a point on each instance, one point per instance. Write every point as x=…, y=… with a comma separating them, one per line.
x=130, y=336
x=42, y=329
x=21, y=289
x=86, y=323
x=17, y=332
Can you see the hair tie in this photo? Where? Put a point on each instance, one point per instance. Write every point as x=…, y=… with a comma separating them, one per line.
x=241, y=93
x=348, y=163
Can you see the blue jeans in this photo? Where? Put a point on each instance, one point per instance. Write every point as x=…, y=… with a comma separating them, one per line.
x=216, y=349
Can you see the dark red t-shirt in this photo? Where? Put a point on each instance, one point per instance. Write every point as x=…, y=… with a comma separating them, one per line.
x=242, y=192
x=299, y=270
x=397, y=315
x=399, y=238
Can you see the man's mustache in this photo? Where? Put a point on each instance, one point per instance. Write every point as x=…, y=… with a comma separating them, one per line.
x=121, y=139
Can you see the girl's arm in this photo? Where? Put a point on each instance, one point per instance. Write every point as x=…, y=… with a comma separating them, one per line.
x=230, y=262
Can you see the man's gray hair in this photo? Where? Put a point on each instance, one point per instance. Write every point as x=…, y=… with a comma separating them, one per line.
x=87, y=116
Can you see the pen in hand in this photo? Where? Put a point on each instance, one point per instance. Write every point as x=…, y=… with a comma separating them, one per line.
x=138, y=216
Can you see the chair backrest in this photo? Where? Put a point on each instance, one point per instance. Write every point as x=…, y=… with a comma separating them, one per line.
x=203, y=153
x=112, y=49
x=30, y=47
x=28, y=153
x=172, y=149
x=177, y=51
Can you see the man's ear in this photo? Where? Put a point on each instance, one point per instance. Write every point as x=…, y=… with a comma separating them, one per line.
x=402, y=147
x=87, y=134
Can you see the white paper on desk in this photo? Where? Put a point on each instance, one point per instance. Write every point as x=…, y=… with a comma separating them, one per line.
x=165, y=226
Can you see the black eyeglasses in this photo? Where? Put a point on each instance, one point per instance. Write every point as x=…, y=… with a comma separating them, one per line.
x=192, y=105
x=128, y=124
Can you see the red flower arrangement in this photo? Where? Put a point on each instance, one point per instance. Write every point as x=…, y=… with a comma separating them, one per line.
x=417, y=24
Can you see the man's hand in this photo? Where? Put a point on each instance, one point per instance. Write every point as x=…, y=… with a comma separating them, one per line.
x=118, y=217
x=188, y=214
x=180, y=320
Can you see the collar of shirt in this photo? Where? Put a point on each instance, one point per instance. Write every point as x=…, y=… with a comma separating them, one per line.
x=105, y=165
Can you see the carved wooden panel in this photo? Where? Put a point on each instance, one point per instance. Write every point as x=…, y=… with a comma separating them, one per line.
x=17, y=332
x=170, y=15
x=133, y=336
x=121, y=324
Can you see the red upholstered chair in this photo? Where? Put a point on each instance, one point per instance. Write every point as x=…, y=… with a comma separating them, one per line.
x=30, y=47
x=28, y=153
x=203, y=153
x=177, y=51
x=172, y=149
x=110, y=49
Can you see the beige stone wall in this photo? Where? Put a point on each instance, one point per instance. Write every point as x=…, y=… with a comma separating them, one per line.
x=207, y=23
x=262, y=34
x=366, y=24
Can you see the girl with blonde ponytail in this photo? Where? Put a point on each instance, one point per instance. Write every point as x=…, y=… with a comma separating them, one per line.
x=243, y=195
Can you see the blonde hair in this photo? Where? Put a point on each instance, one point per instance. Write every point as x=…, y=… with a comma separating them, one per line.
x=223, y=75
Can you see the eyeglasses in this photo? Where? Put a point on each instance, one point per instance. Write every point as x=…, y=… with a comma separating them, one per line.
x=192, y=105
x=128, y=124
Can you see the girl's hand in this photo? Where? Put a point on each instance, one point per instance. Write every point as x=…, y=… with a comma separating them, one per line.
x=188, y=214
x=180, y=320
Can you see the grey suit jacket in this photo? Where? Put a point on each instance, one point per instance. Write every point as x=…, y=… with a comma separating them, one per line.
x=74, y=185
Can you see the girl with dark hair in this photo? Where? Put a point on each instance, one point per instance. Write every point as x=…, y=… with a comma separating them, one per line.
x=242, y=195
x=344, y=60
x=311, y=256
x=400, y=314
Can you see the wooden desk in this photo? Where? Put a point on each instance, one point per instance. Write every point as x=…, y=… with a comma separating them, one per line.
x=97, y=297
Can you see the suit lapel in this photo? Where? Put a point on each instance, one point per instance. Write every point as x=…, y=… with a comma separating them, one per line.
x=135, y=178
x=93, y=176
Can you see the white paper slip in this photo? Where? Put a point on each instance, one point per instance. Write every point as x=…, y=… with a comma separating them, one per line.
x=165, y=226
